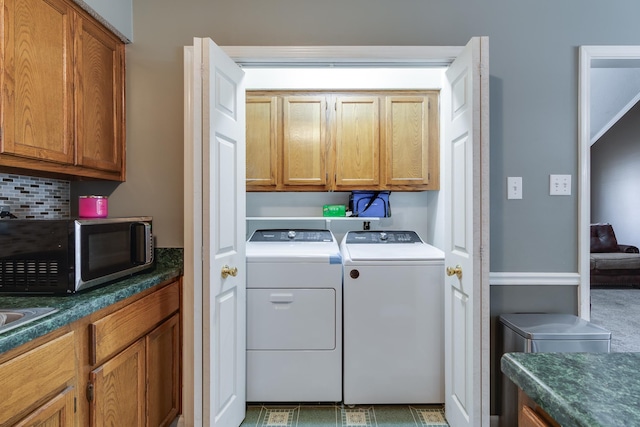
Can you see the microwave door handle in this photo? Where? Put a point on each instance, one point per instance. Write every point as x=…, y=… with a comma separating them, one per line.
x=141, y=249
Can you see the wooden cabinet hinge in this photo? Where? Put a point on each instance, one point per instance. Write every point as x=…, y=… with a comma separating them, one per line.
x=90, y=392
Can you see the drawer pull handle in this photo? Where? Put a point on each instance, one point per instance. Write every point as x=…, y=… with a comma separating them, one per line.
x=281, y=298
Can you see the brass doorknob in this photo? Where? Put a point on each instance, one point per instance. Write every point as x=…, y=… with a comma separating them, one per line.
x=457, y=271
x=228, y=271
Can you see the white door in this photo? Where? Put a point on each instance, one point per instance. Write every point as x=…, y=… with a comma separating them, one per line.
x=215, y=276
x=466, y=151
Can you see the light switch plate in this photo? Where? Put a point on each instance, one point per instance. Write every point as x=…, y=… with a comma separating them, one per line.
x=514, y=187
x=560, y=185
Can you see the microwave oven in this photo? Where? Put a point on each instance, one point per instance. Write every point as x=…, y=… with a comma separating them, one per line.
x=65, y=256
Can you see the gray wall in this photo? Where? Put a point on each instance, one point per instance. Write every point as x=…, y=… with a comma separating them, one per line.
x=534, y=107
x=115, y=14
x=534, y=60
x=615, y=173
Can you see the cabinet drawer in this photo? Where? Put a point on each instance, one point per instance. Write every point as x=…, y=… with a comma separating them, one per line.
x=114, y=332
x=38, y=373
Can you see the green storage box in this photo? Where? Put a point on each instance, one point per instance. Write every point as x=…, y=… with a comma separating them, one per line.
x=333, y=210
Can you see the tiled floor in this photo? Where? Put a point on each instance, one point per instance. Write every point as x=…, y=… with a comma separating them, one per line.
x=325, y=415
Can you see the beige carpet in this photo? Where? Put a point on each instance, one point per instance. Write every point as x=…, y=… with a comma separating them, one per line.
x=618, y=310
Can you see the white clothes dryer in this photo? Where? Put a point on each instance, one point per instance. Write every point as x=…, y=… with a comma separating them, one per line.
x=393, y=319
x=294, y=316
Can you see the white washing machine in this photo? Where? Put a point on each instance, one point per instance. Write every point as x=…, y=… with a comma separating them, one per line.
x=294, y=316
x=393, y=319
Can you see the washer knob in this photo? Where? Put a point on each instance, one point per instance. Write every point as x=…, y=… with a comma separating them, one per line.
x=292, y=234
x=383, y=236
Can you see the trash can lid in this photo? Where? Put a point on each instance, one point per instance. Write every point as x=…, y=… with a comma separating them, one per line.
x=546, y=326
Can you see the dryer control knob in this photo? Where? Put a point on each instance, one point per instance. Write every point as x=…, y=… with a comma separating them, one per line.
x=292, y=234
x=383, y=236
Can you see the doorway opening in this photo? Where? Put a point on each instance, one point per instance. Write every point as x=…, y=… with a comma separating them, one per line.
x=467, y=104
x=600, y=65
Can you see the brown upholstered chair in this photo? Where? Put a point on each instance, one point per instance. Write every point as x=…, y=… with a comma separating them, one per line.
x=612, y=264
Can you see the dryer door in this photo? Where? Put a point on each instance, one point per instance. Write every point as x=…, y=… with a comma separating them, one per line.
x=291, y=319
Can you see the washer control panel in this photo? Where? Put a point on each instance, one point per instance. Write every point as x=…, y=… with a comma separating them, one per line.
x=291, y=235
x=383, y=237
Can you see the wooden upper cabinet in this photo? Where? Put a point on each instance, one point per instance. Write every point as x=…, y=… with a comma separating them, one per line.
x=411, y=142
x=304, y=147
x=262, y=141
x=343, y=141
x=62, y=83
x=100, y=102
x=357, y=142
x=37, y=80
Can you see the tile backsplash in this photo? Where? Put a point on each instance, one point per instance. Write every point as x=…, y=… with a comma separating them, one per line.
x=35, y=198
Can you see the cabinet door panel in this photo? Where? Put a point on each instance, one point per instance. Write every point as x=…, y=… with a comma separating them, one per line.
x=50, y=367
x=116, y=331
x=58, y=412
x=357, y=142
x=304, y=141
x=119, y=389
x=100, y=103
x=412, y=142
x=163, y=367
x=529, y=418
x=37, y=83
x=262, y=134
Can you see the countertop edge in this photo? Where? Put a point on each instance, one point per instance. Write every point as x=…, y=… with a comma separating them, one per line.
x=551, y=402
x=74, y=307
x=529, y=383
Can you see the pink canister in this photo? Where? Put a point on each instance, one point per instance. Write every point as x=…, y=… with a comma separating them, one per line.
x=93, y=206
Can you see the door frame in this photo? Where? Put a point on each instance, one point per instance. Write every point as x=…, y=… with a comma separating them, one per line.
x=587, y=55
x=381, y=56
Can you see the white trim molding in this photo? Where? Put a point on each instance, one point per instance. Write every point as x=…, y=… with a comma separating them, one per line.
x=536, y=279
x=317, y=56
x=589, y=57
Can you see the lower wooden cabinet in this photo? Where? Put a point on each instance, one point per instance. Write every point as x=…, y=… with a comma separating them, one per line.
x=119, y=366
x=140, y=385
x=58, y=412
x=136, y=351
x=531, y=415
x=117, y=389
x=163, y=373
x=42, y=384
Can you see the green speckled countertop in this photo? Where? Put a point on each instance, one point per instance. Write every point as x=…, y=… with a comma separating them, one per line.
x=580, y=389
x=169, y=264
